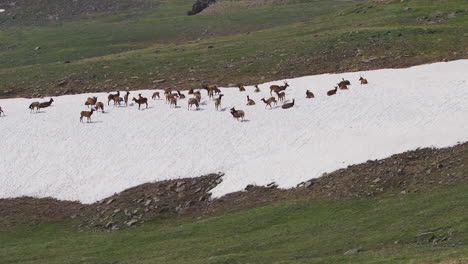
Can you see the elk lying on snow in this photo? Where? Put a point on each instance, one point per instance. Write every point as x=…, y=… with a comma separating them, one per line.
x=309, y=94
x=99, y=105
x=237, y=114
x=191, y=102
x=332, y=92
x=241, y=88
x=218, y=102
x=190, y=91
x=280, y=95
x=250, y=101
x=181, y=95
x=288, y=105
x=257, y=90
x=38, y=105
x=91, y=101
x=269, y=101
x=86, y=114
x=140, y=101
x=113, y=97
x=126, y=98
x=1, y=111
x=155, y=94
x=278, y=88
x=343, y=85
x=363, y=81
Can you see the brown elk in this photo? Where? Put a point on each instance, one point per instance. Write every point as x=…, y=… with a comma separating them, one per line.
x=257, y=90
x=363, y=81
x=173, y=101
x=332, y=92
x=218, y=102
x=86, y=114
x=99, y=105
x=120, y=100
x=209, y=90
x=269, y=101
x=126, y=98
x=34, y=105
x=280, y=95
x=237, y=114
x=1, y=111
x=288, y=105
x=140, y=101
x=342, y=86
x=309, y=94
x=155, y=94
x=168, y=97
x=250, y=101
x=278, y=88
x=91, y=101
x=113, y=97
x=344, y=82
x=191, y=102
x=181, y=95
x=38, y=105
x=190, y=91
x=216, y=90
x=241, y=88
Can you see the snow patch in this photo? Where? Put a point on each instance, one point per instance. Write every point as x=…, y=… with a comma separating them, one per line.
x=52, y=154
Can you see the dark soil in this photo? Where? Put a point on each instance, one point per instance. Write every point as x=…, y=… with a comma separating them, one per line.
x=420, y=170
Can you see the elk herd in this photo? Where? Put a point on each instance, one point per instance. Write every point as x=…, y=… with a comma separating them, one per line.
x=173, y=96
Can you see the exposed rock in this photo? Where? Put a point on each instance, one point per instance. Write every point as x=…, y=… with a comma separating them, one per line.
x=199, y=6
x=353, y=251
x=131, y=222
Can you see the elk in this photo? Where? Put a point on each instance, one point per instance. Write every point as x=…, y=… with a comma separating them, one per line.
x=34, y=105
x=280, y=95
x=1, y=111
x=237, y=114
x=113, y=97
x=41, y=105
x=99, y=105
x=198, y=97
x=250, y=101
x=190, y=91
x=241, y=88
x=140, y=101
x=209, y=90
x=309, y=94
x=181, y=95
x=86, y=114
x=126, y=98
x=344, y=82
x=173, y=102
x=91, y=101
x=278, y=88
x=363, y=81
x=332, y=92
x=288, y=105
x=342, y=86
x=269, y=101
x=257, y=90
x=218, y=102
x=120, y=100
x=191, y=102
x=155, y=94
x=216, y=90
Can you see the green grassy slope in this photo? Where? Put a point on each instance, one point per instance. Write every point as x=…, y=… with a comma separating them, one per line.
x=303, y=231
x=282, y=41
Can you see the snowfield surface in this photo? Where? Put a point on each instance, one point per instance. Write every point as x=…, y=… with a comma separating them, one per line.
x=52, y=154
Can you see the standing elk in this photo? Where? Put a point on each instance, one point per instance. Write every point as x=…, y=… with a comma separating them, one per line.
x=237, y=114
x=288, y=105
x=363, y=81
x=155, y=94
x=218, y=102
x=38, y=105
x=113, y=97
x=278, y=88
x=91, y=101
x=99, y=105
x=309, y=94
x=173, y=102
x=140, y=101
x=126, y=96
x=281, y=96
x=332, y=92
x=257, y=90
x=250, y=101
x=191, y=102
x=86, y=114
x=269, y=101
